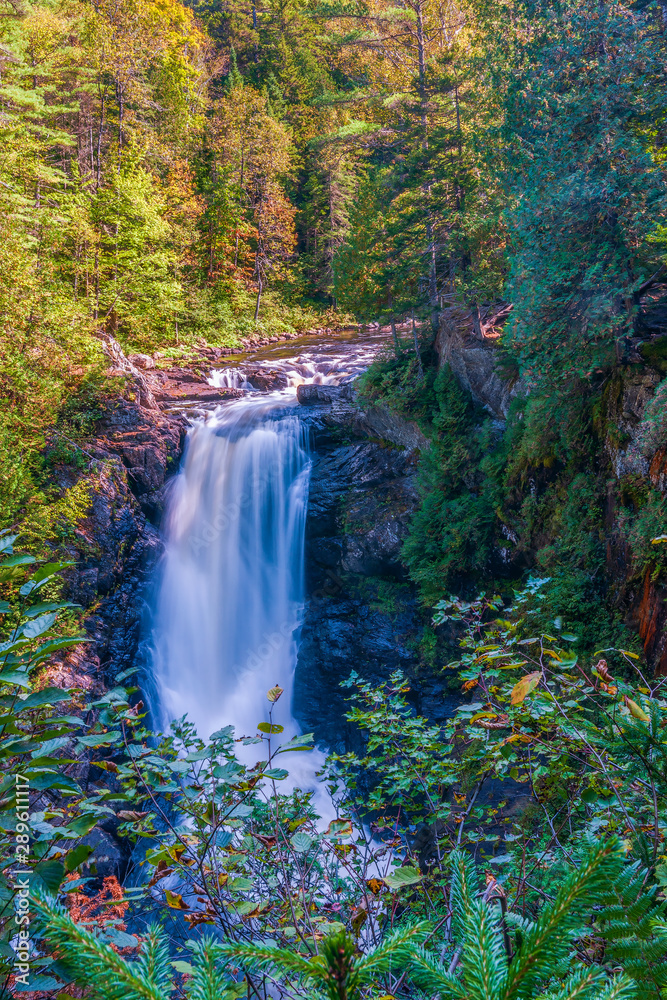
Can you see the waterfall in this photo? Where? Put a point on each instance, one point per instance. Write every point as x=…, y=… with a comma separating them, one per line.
x=232, y=584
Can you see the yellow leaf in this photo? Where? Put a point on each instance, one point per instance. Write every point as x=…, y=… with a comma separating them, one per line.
x=175, y=901
x=635, y=711
x=626, y=652
x=523, y=687
x=274, y=693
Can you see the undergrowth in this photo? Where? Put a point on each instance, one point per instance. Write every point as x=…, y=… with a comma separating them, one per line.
x=498, y=500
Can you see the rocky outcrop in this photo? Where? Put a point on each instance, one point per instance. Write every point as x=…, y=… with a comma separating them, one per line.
x=312, y=395
x=117, y=544
x=363, y=420
x=473, y=357
x=362, y=613
x=631, y=440
x=266, y=379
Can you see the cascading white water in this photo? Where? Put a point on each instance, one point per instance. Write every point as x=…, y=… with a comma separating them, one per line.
x=231, y=594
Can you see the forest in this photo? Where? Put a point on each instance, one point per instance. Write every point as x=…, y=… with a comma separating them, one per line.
x=482, y=183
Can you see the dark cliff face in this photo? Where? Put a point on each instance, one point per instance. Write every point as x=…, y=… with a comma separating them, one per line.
x=362, y=613
x=117, y=545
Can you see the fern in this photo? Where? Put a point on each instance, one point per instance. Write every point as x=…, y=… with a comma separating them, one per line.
x=629, y=924
x=543, y=967
x=546, y=946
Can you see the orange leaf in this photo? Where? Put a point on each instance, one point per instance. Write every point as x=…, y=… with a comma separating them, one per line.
x=523, y=687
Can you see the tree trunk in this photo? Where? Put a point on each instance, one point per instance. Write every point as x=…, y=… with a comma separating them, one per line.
x=97, y=283
x=99, y=142
x=395, y=336
x=416, y=340
x=477, y=323
x=421, y=54
x=259, y=296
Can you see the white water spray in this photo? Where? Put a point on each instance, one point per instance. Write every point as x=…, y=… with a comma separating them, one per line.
x=232, y=592
x=231, y=595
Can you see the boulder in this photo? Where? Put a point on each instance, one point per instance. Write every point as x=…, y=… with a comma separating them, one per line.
x=143, y=361
x=312, y=395
x=194, y=392
x=266, y=379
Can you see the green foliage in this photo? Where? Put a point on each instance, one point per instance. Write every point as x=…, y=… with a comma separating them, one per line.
x=45, y=814
x=580, y=227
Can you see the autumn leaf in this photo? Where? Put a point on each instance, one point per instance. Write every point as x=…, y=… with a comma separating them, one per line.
x=635, y=711
x=523, y=687
x=175, y=901
x=274, y=693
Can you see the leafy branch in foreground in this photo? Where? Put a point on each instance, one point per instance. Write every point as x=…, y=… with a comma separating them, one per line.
x=545, y=961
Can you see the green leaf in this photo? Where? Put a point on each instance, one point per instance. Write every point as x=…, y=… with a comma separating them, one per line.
x=301, y=841
x=62, y=781
x=39, y=625
x=276, y=773
x=51, y=874
x=18, y=561
x=39, y=609
x=82, y=825
x=303, y=742
x=407, y=875
x=18, y=677
x=183, y=967
x=77, y=856
x=6, y=541
x=223, y=734
x=269, y=727
x=100, y=739
x=47, y=696
x=240, y=884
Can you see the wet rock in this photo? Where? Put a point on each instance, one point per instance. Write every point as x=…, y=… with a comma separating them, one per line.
x=148, y=444
x=361, y=614
x=194, y=392
x=109, y=855
x=310, y=395
x=266, y=379
x=632, y=441
x=379, y=421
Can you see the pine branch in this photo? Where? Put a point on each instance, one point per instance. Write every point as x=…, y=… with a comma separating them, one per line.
x=547, y=942
x=91, y=961
x=430, y=976
x=208, y=982
x=578, y=986
x=464, y=889
x=397, y=946
x=153, y=960
x=484, y=959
